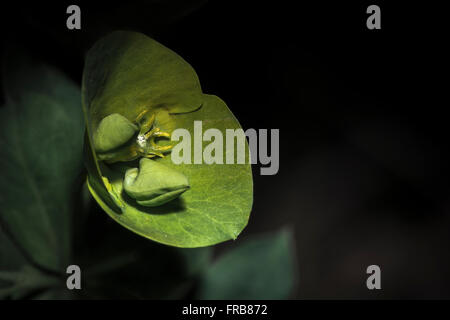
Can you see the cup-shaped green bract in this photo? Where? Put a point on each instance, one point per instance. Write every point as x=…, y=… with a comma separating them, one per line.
x=154, y=183
x=113, y=132
x=183, y=205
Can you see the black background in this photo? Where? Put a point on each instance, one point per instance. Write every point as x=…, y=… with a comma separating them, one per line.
x=364, y=161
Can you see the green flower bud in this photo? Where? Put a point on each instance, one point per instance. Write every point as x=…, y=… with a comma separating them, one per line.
x=113, y=131
x=154, y=184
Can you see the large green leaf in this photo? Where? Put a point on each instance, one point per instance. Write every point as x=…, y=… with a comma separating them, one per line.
x=127, y=73
x=41, y=130
x=261, y=268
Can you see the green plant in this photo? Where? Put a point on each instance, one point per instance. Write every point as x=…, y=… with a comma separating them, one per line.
x=129, y=74
x=47, y=218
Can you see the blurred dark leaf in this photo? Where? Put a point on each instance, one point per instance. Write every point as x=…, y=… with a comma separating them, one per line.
x=55, y=293
x=122, y=265
x=196, y=259
x=41, y=136
x=260, y=268
x=17, y=278
x=24, y=282
x=10, y=257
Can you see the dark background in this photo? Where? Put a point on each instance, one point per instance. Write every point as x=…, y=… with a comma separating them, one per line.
x=364, y=159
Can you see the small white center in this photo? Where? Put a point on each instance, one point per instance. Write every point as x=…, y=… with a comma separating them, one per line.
x=142, y=142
